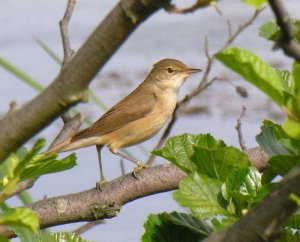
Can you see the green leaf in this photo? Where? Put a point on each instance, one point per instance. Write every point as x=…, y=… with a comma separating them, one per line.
x=25, y=165
x=180, y=149
x=257, y=72
x=24, y=234
x=273, y=139
x=200, y=194
x=240, y=187
x=20, y=218
x=174, y=227
x=292, y=128
x=45, y=164
x=269, y=30
x=296, y=78
x=221, y=223
x=3, y=238
x=255, y=3
x=190, y=222
x=294, y=221
x=219, y=163
x=279, y=165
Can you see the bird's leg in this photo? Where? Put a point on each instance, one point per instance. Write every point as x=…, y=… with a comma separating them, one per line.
x=102, y=178
x=139, y=164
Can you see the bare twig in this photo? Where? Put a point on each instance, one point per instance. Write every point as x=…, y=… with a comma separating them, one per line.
x=87, y=226
x=204, y=83
x=122, y=167
x=238, y=128
x=287, y=40
x=71, y=124
x=65, y=33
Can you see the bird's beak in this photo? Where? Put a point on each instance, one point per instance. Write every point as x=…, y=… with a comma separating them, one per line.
x=193, y=70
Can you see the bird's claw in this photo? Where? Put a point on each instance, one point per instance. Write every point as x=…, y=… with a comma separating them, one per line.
x=138, y=168
x=100, y=183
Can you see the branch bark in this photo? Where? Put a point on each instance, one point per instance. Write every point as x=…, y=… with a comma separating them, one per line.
x=287, y=41
x=106, y=202
x=70, y=86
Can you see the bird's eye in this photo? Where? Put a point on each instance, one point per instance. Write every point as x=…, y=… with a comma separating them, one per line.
x=170, y=70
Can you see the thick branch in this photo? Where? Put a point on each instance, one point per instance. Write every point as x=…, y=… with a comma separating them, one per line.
x=95, y=204
x=266, y=218
x=68, y=88
x=287, y=41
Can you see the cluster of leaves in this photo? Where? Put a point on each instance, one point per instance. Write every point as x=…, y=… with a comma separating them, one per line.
x=221, y=184
x=21, y=166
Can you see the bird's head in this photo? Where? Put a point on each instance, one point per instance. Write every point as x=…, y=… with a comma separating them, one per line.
x=171, y=73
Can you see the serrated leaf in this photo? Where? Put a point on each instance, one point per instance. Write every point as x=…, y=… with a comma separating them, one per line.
x=219, y=163
x=279, y=165
x=200, y=194
x=179, y=149
x=268, y=140
x=190, y=222
x=240, y=187
x=269, y=30
x=256, y=71
x=20, y=217
x=255, y=3
x=161, y=228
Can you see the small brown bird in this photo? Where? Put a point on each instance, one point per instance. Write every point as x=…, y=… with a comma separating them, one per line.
x=136, y=117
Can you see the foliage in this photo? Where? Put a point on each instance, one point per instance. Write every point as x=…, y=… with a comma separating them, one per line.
x=221, y=185
x=21, y=166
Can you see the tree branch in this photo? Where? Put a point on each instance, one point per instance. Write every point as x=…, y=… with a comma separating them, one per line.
x=70, y=87
x=287, y=40
x=106, y=202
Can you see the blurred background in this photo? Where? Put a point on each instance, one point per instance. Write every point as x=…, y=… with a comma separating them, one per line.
x=163, y=35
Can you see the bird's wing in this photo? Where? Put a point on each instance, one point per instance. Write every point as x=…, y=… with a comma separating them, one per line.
x=132, y=107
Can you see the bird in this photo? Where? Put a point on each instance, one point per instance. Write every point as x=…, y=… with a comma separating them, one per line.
x=137, y=117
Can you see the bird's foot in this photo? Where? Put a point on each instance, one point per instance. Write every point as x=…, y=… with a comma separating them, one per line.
x=100, y=183
x=138, y=168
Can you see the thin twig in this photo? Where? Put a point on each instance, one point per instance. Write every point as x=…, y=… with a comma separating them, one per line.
x=238, y=128
x=71, y=124
x=122, y=167
x=68, y=52
x=204, y=83
x=287, y=40
x=87, y=226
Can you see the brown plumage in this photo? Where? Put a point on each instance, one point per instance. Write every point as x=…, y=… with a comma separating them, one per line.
x=136, y=117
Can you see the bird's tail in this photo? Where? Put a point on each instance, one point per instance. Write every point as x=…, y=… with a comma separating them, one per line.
x=61, y=147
